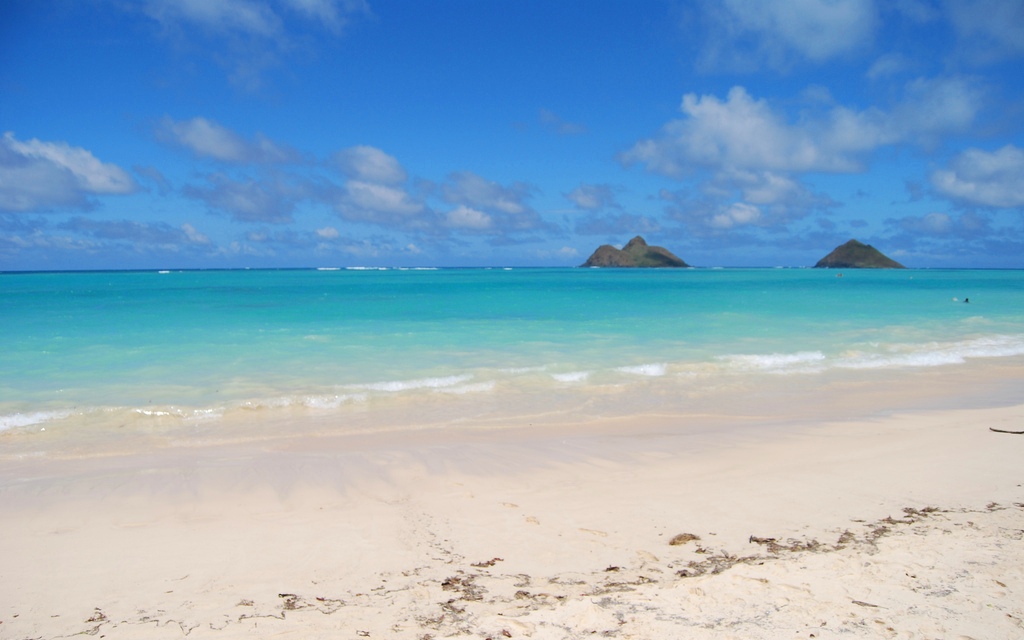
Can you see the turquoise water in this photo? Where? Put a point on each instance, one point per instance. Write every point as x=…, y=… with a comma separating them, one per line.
x=137, y=348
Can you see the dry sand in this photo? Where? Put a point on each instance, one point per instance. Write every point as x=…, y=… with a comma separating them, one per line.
x=908, y=526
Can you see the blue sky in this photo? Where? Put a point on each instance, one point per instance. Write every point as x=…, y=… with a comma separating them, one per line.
x=291, y=133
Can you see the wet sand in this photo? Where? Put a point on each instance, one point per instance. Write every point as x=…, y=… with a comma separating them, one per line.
x=905, y=526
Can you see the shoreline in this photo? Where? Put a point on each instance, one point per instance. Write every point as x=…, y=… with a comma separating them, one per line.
x=666, y=404
x=553, y=536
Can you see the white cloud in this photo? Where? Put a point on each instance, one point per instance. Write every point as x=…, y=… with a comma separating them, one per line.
x=990, y=179
x=593, y=197
x=247, y=200
x=935, y=106
x=381, y=198
x=244, y=16
x=37, y=175
x=746, y=150
x=964, y=228
x=208, y=139
x=90, y=174
x=932, y=223
x=193, y=235
x=328, y=233
x=468, y=188
x=463, y=217
x=744, y=34
x=735, y=215
x=370, y=164
x=744, y=134
x=332, y=14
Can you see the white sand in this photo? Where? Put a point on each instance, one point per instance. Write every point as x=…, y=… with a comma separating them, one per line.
x=512, y=535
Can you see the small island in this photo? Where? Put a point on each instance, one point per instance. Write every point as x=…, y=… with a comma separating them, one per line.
x=857, y=255
x=636, y=253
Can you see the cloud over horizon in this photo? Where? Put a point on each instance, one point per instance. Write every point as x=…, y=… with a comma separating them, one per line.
x=279, y=132
x=38, y=176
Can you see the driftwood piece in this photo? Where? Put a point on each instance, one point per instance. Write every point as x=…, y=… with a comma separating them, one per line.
x=1019, y=433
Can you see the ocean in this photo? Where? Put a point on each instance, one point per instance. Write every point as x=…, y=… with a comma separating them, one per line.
x=93, y=359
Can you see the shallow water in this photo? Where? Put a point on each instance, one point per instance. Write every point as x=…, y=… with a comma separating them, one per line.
x=205, y=353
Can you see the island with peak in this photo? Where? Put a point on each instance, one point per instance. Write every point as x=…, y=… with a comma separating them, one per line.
x=636, y=253
x=857, y=255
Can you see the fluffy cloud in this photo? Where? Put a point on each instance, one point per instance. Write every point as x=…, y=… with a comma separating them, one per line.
x=370, y=164
x=982, y=178
x=332, y=14
x=506, y=209
x=593, y=197
x=468, y=188
x=945, y=238
x=463, y=217
x=375, y=191
x=207, y=139
x=736, y=214
x=37, y=175
x=372, y=202
x=744, y=34
x=932, y=107
x=933, y=224
x=193, y=235
x=765, y=188
x=137, y=233
x=246, y=200
x=741, y=148
x=741, y=133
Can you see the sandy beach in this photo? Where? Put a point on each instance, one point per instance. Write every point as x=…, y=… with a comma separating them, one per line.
x=905, y=526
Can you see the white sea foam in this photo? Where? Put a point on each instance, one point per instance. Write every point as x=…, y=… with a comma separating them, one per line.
x=410, y=385
x=571, y=376
x=881, y=356
x=193, y=415
x=16, y=420
x=653, y=369
x=312, y=401
x=157, y=413
x=331, y=401
x=798, y=362
x=935, y=354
